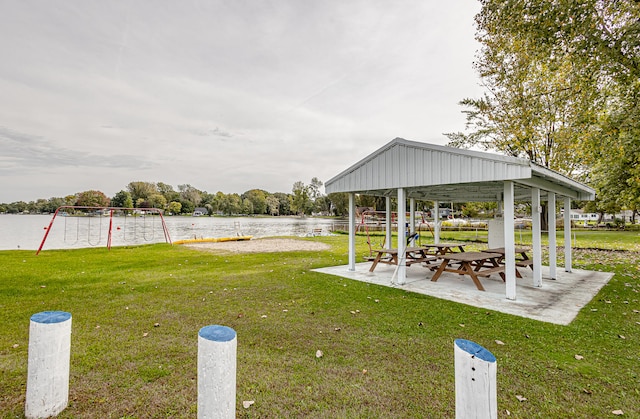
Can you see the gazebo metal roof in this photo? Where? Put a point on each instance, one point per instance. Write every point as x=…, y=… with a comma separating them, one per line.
x=437, y=173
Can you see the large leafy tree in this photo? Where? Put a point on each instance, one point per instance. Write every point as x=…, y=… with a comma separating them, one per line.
x=538, y=105
x=141, y=191
x=284, y=203
x=563, y=83
x=190, y=194
x=167, y=191
x=122, y=199
x=258, y=200
x=301, y=200
x=92, y=199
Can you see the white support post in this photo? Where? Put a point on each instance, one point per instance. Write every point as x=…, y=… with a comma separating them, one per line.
x=509, y=241
x=567, y=234
x=551, y=216
x=217, y=353
x=48, y=364
x=475, y=381
x=536, y=240
x=412, y=218
x=352, y=232
x=387, y=224
x=436, y=222
x=402, y=240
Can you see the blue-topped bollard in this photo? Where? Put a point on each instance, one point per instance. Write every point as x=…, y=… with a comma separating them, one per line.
x=217, y=349
x=476, y=372
x=48, y=364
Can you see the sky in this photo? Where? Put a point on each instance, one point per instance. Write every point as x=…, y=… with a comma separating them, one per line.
x=224, y=95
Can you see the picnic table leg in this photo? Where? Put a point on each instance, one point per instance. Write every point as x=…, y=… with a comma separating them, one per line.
x=440, y=270
x=469, y=270
x=375, y=262
x=525, y=257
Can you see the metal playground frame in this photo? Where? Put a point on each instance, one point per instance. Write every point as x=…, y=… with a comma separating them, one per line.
x=101, y=211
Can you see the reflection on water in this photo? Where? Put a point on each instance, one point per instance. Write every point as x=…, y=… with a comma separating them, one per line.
x=27, y=231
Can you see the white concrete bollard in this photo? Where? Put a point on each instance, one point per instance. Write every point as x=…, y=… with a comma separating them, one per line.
x=476, y=394
x=217, y=349
x=48, y=365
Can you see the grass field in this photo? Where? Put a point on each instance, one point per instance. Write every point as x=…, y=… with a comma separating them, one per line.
x=387, y=353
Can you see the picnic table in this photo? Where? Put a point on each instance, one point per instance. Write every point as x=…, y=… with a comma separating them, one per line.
x=522, y=261
x=444, y=248
x=412, y=255
x=474, y=264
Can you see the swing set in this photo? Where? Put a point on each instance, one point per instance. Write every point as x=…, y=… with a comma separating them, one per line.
x=376, y=221
x=132, y=230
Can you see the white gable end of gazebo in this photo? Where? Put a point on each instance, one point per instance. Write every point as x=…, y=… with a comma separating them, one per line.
x=403, y=163
x=413, y=170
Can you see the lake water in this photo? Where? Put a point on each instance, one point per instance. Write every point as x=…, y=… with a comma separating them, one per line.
x=27, y=231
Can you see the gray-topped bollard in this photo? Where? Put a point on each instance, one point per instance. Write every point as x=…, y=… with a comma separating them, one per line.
x=217, y=349
x=476, y=394
x=48, y=364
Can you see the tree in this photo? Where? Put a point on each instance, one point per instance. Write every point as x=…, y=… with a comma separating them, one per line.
x=210, y=202
x=122, y=199
x=92, y=198
x=322, y=205
x=187, y=206
x=141, y=191
x=339, y=203
x=314, y=188
x=157, y=201
x=247, y=207
x=273, y=205
x=231, y=204
x=174, y=207
x=167, y=191
x=300, y=202
x=190, y=194
x=258, y=199
x=562, y=80
x=53, y=204
x=538, y=106
x=17, y=207
x=284, y=206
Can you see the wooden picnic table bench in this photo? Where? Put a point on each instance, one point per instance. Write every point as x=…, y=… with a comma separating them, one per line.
x=412, y=255
x=474, y=264
x=523, y=260
x=444, y=248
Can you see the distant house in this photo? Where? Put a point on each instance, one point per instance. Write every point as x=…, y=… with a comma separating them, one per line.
x=444, y=212
x=580, y=215
x=200, y=211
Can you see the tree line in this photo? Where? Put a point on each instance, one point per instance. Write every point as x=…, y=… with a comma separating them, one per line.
x=304, y=199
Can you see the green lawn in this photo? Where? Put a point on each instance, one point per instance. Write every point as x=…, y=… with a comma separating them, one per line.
x=387, y=352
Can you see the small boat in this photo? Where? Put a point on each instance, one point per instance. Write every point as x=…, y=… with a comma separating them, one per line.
x=213, y=239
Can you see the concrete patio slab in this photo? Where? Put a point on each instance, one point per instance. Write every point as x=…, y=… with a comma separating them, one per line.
x=557, y=301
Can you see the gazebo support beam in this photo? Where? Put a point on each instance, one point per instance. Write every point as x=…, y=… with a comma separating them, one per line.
x=551, y=211
x=412, y=218
x=402, y=242
x=352, y=232
x=436, y=222
x=387, y=223
x=509, y=241
x=536, y=239
x=567, y=234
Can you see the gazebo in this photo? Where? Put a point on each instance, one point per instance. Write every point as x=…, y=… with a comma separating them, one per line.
x=410, y=170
